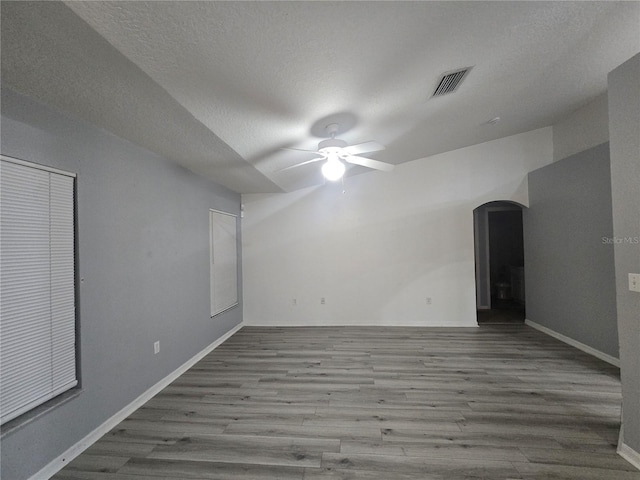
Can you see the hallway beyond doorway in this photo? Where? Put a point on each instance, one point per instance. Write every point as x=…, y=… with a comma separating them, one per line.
x=502, y=312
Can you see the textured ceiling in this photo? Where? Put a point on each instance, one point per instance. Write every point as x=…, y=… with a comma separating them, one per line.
x=221, y=87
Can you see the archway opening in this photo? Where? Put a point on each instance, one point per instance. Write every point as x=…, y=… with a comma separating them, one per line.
x=499, y=259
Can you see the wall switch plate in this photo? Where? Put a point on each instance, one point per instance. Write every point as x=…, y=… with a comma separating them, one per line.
x=428, y=300
x=156, y=347
x=634, y=282
x=322, y=302
x=294, y=302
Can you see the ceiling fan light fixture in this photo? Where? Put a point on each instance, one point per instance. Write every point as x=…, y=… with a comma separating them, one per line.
x=338, y=153
x=334, y=169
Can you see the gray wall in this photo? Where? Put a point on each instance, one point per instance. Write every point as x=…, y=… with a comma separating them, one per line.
x=143, y=238
x=624, y=130
x=569, y=269
x=481, y=236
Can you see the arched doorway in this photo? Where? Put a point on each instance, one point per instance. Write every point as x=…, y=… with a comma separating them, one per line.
x=499, y=259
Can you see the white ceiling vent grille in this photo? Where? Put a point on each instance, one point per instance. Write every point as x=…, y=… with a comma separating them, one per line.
x=450, y=82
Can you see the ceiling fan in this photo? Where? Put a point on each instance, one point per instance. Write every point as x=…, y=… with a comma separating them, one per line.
x=335, y=152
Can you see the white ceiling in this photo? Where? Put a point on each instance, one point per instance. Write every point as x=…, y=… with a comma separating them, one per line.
x=253, y=77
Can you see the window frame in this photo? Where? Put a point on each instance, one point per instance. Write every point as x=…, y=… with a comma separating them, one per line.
x=56, y=396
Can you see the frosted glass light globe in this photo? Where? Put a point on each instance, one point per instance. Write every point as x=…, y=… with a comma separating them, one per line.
x=333, y=169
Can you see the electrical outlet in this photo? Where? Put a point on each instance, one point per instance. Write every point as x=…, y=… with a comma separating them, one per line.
x=634, y=282
x=156, y=347
x=322, y=302
x=428, y=300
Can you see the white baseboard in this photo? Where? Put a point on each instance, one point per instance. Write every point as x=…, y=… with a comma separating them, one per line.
x=574, y=343
x=61, y=461
x=629, y=454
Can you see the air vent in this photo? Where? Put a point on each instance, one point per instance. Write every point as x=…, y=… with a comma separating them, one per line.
x=450, y=82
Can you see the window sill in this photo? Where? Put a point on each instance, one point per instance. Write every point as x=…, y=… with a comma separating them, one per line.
x=40, y=411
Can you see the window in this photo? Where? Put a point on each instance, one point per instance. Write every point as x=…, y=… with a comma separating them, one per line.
x=37, y=286
x=224, y=261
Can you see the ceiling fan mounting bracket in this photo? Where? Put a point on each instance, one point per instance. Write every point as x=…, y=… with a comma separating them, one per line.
x=332, y=129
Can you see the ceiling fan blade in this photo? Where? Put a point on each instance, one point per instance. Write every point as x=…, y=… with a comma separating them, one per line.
x=301, y=164
x=299, y=150
x=366, y=147
x=368, y=162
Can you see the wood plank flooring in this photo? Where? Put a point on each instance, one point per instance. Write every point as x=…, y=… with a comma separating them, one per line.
x=495, y=402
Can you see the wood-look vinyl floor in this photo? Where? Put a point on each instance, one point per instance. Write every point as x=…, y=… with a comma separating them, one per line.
x=495, y=402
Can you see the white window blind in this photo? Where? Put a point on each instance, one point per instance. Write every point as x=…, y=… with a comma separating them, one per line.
x=37, y=287
x=224, y=261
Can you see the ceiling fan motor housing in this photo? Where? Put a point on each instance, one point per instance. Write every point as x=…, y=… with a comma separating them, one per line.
x=331, y=145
